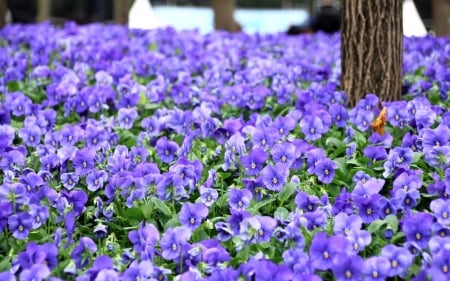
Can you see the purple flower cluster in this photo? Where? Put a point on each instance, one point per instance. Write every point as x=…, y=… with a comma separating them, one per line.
x=148, y=155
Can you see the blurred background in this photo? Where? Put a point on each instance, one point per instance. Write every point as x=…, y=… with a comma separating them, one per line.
x=262, y=16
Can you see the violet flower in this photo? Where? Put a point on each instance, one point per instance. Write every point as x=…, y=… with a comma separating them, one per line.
x=274, y=177
x=192, y=214
x=173, y=240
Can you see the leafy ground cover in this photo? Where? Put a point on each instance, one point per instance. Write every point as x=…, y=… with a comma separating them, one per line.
x=130, y=155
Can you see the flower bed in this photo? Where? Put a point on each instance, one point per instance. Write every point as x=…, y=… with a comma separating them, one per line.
x=130, y=155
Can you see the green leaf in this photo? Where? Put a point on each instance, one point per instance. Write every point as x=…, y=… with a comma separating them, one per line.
x=13, y=86
x=5, y=264
x=375, y=226
x=342, y=171
x=171, y=223
x=398, y=236
x=161, y=206
x=264, y=245
x=392, y=222
x=153, y=46
x=199, y=235
x=133, y=214
x=417, y=156
x=282, y=213
x=36, y=235
x=254, y=208
x=287, y=192
x=223, y=200
x=337, y=143
x=147, y=210
x=360, y=139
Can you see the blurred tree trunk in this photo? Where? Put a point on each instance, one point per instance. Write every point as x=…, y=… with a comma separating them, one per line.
x=121, y=9
x=44, y=10
x=441, y=17
x=223, y=15
x=3, y=8
x=371, y=49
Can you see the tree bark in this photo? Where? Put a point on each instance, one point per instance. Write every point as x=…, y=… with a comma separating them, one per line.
x=121, y=9
x=441, y=17
x=223, y=15
x=44, y=10
x=3, y=8
x=371, y=49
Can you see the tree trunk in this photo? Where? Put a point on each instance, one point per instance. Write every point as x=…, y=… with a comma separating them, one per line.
x=223, y=15
x=371, y=49
x=121, y=9
x=44, y=10
x=3, y=8
x=441, y=17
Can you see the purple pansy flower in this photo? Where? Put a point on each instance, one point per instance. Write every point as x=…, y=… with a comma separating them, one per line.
x=166, y=149
x=83, y=161
x=20, y=225
x=173, y=241
x=274, y=177
x=86, y=245
x=192, y=214
x=254, y=161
